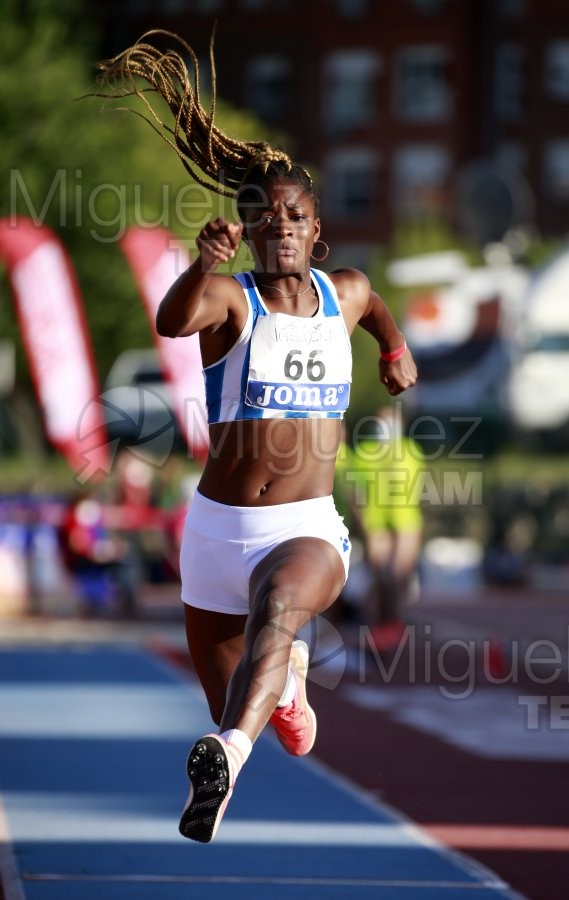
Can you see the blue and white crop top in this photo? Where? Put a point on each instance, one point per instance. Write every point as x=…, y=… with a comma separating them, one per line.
x=283, y=366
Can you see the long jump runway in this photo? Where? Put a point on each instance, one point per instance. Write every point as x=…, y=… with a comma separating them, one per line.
x=93, y=742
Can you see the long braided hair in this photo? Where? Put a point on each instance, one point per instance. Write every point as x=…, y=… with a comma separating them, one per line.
x=212, y=158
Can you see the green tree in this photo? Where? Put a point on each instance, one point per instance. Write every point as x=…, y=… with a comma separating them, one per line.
x=86, y=169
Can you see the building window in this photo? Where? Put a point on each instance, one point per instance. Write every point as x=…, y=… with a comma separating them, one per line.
x=556, y=169
x=422, y=84
x=351, y=183
x=255, y=5
x=428, y=7
x=352, y=9
x=510, y=84
x=267, y=85
x=511, y=156
x=176, y=7
x=512, y=9
x=556, y=73
x=172, y=8
x=350, y=93
x=420, y=176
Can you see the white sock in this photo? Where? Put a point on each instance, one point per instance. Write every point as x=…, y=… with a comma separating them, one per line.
x=289, y=691
x=239, y=745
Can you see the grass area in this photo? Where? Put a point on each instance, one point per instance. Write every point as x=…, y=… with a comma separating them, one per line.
x=512, y=467
x=36, y=475
x=50, y=474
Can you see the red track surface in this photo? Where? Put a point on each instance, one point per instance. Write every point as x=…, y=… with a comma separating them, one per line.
x=510, y=814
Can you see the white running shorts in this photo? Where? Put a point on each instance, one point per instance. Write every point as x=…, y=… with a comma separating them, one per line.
x=222, y=544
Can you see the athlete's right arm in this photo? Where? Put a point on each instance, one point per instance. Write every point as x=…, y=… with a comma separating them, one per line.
x=200, y=300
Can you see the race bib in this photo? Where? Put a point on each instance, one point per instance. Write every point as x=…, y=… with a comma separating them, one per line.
x=299, y=365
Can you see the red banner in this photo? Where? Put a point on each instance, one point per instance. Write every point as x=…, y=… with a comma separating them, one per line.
x=157, y=258
x=53, y=328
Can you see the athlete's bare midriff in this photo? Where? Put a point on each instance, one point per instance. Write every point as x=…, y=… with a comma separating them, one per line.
x=269, y=461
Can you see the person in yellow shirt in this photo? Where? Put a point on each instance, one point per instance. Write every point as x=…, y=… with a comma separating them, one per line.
x=388, y=469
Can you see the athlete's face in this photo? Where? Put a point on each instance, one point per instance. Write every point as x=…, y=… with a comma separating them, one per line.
x=280, y=228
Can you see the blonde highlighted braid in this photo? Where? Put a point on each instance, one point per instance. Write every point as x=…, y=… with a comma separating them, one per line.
x=212, y=158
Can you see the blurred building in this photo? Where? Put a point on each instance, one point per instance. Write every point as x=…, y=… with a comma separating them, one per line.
x=406, y=109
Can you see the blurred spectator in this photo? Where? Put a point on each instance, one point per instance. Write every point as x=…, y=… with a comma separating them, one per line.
x=388, y=468
x=175, y=499
x=136, y=481
x=97, y=559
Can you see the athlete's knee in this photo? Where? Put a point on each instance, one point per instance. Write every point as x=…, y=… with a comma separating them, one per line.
x=274, y=620
x=273, y=607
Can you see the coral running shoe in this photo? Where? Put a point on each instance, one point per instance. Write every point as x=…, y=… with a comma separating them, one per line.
x=295, y=724
x=210, y=789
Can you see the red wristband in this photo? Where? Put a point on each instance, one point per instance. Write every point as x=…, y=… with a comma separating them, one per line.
x=394, y=355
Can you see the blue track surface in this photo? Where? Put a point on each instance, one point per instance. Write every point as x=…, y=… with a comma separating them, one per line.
x=93, y=743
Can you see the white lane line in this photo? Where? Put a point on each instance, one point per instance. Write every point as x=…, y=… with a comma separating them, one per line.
x=321, y=834
x=38, y=817
x=102, y=711
x=237, y=879
x=10, y=882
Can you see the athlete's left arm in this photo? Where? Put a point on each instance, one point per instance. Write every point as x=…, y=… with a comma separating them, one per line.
x=363, y=306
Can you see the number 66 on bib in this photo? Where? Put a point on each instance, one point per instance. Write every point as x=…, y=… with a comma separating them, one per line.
x=299, y=366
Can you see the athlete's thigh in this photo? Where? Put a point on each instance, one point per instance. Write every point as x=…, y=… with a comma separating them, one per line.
x=215, y=641
x=306, y=571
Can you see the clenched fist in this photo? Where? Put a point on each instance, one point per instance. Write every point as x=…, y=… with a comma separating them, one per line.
x=218, y=242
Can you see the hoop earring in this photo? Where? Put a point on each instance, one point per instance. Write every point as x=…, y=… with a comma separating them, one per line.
x=326, y=252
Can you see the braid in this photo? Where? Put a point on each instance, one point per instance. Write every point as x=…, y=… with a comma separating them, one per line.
x=212, y=158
